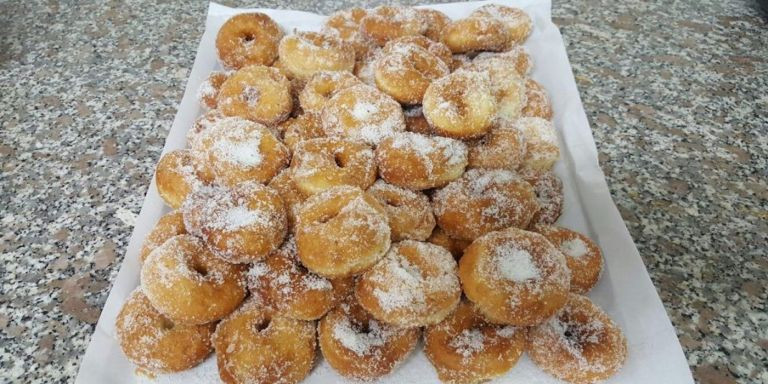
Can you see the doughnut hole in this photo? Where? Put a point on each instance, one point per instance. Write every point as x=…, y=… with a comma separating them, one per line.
x=409, y=213
x=320, y=164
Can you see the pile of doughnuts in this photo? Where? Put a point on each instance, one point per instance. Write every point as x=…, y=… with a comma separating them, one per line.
x=354, y=189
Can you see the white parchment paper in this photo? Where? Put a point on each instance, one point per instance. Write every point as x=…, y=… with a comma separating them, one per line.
x=625, y=290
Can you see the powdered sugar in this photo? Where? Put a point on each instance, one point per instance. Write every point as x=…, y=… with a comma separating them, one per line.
x=361, y=343
x=468, y=342
x=516, y=264
x=575, y=247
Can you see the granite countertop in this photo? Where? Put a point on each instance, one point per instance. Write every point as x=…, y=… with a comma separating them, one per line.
x=677, y=95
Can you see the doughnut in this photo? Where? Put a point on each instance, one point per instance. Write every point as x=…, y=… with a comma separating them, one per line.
x=455, y=246
x=460, y=105
x=409, y=213
x=345, y=25
x=322, y=86
x=580, y=345
x=435, y=21
x=236, y=150
x=432, y=46
x=300, y=128
x=459, y=61
x=358, y=346
x=405, y=70
x=304, y=53
x=514, y=277
x=484, y=200
x=256, y=346
x=542, y=149
x=517, y=23
x=415, y=161
x=202, y=124
x=507, y=86
x=414, y=285
x=549, y=193
x=247, y=39
x=341, y=232
x=209, y=88
x=291, y=196
x=516, y=57
x=241, y=224
x=584, y=258
x=479, y=33
x=188, y=284
x=416, y=122
x=362, y=112
x=176, y=177
x=294, y=292
x=537, y=102
x=464, y=348
x=169, y=225
x=385, y=23
x=320, y=164
x=364, y=66
x=258, y=93
x=155, y=343
x=502, y=148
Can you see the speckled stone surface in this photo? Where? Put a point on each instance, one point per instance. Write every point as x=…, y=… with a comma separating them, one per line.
x=677, y=95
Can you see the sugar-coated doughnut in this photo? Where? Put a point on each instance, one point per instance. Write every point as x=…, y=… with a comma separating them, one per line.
x=542, y=148
x=169, y=225
x=322, y=86
x=404, y=71
x=345, y=25
x=478, y=33
x=409, y=212
x=516, y=57
x=482, y=201
x=503, y=147
x=176, y=176
x=358, y=346
x=580, y=345
x=248, y=38
x=256, y=346
x=460, y=60
x=188, y=284
x=300, y=128
x=415, y=161
x=385, y=23
x=304, y=53
x=291, y=196
x=435, y=21
x=464, y=348
x=209, y=88
x=460, y=105
x=416, y=122
x=507, y=86
x=320, y=164
x=236, y=150
x=549, y=193
x=455, y=246
x=517, y=23
x=414, y=285
x=537, y=102
x=290, y=289
x=362, y=112
x=434, y=47
x=155, y=343
x=364, y=66
x=258, y=93
x=241, y=224
x=202, y=124
x=514, y=277
x=584, y=258
x=341, y=232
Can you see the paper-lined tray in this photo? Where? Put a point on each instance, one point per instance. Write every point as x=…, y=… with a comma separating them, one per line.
x=625, y=290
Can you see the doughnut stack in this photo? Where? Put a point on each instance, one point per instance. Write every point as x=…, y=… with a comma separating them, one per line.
x=352, y=191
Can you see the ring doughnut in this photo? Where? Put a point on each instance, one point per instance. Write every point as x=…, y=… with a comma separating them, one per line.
x=258, y=93
x=169, y=225
x=435, y=21
x=322, y=86
x=484, y=200
x=362, y=112
x=455, y=246
x=320, y=164
x=409, y=213
x=464, y=348
x=241, y=224
x=255, y=346
x=247, y=39
x=291, y=196
x=516, y=57
x=542, y=148
x=304, y=53
x=175, y=176
x=414, y=285
x=517, y=23
x=434, y=47
x=537, y=102
x=385, y=23
x=188, y=284
x=341, y=232
x=236, y=150
x=584, y=258
x=549, y=193
x=514, y=277
x=507, y=86
x=580, y=345
x=503, y=147
x=154, y=343
x=285, y=285
x=209, y=88
x=404, y=71
x=416, y=122
x=358, y=346
x=460, y=105
x=415, y=161
x=301, y=128
x=345, y=25
x=202, y=124
x=478, y=33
